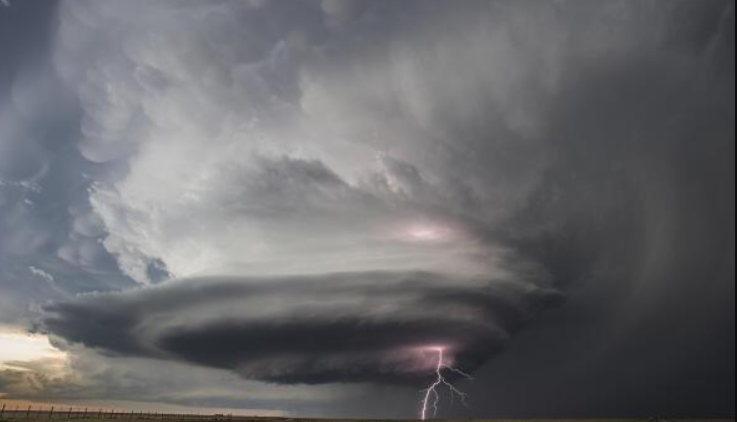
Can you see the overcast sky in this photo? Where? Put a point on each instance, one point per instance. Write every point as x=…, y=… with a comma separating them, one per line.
x=289, y=206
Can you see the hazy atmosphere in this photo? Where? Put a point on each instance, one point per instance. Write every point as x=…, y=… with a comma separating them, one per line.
x=325, y=208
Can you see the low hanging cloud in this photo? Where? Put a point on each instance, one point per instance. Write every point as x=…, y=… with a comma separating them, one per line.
x=350, y=327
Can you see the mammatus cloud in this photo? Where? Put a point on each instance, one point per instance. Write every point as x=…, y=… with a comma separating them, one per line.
x=304, y=168
x=46, y=221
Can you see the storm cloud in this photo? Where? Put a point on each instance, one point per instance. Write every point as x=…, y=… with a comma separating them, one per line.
x=320, y=192
x=330, y=328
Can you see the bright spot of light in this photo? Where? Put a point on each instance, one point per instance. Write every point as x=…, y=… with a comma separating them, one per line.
x=427, y=233
x=24, y=348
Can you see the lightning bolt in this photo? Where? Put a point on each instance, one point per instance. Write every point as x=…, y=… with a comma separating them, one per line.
x=431, y=396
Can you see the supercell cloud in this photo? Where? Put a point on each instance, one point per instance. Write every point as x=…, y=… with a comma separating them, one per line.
x=334, y=185
x=316, y=193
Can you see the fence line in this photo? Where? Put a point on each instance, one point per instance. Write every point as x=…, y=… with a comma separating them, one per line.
x=54, y=412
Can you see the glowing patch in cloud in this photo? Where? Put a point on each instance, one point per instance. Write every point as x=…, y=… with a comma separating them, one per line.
x=427, y=232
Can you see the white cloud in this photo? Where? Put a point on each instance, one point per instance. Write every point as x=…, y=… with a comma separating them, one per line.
x=229, y=170
x=41, y=274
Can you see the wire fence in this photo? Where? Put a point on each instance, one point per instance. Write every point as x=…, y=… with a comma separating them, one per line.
x=54, y=412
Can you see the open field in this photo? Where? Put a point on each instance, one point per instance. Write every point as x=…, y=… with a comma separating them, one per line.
x=269, y=419
x=46, y=414
x=185, y=418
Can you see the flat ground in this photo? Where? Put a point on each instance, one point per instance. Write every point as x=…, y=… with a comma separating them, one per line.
x=194, y=418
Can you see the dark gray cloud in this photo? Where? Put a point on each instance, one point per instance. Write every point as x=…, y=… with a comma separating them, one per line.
x=635, y=222
x=517, y=147
x=378, y=327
